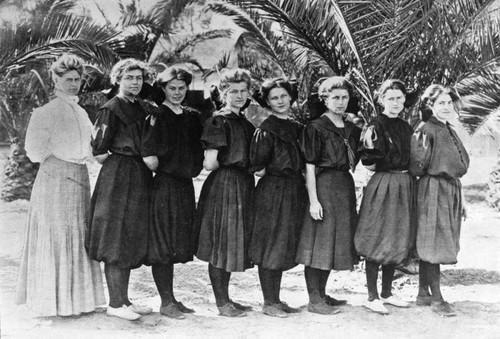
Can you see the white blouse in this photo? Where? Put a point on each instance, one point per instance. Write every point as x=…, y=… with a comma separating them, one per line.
x=60, y=128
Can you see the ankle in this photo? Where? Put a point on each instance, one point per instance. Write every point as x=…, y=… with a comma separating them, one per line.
x=386, y=295
x=372, y=296
x=115, y=305
x=424, y=293
x=222, y=302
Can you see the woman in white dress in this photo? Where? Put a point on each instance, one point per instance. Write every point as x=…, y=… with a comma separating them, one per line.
x=56, y=277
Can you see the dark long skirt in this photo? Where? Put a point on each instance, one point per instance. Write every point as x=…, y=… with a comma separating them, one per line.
x=280, y=204
x=172, y=215
x=439, y=219
x=387, y=227
x=328, y=244
x=119, y=215
x=224, y=219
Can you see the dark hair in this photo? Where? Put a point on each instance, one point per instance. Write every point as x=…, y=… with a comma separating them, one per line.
x=430, y=95
x=387, y=85
x=332, y=83
x=268, y=85
x=174, y=73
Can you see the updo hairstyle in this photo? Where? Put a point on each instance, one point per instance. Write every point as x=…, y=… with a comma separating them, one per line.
x=130, y=64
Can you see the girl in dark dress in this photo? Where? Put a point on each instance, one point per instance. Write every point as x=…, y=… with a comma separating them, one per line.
x=118, y=230
x=440, y=159
x=224, y=208
x=386, y=229
x=329, y=145
x=172, y=148
x=280, y=197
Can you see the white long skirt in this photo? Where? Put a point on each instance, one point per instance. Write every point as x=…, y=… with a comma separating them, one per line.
x=56, y=275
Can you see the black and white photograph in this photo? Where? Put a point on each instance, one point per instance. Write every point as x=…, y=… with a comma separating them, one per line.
x=249, y=169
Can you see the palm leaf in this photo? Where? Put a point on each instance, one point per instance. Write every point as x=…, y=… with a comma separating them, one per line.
x=481, y=96
x=36, y=41
x=250, y=22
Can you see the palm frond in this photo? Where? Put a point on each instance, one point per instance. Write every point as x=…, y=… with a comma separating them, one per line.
x=481, y=95
x=250, y=22
x=221, y=64
x=32, y=42
x=18, y=96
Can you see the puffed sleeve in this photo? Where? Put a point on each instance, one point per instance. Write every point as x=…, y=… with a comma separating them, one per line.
x=310, y=144
x=151, y=136
x=39, y=131
x=372, y=146
x=214, y=133
x=261, y=149
x=420, y=152
x=104, y=131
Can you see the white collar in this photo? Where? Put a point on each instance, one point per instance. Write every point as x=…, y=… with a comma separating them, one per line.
x=176, y=110
x=72, y=99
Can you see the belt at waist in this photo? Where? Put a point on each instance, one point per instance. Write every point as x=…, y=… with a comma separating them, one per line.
x=126, y=154
x=398, y=171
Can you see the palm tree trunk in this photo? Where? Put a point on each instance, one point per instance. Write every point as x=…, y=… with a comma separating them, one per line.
x=19, y=174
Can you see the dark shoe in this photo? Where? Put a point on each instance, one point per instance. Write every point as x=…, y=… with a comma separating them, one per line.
x=333, y=302
x=171, y=311
x=183, y=309
x=322, y=308
x=274, y=310
x=424, y=300
x=229, y=310
x=284, y=307
x=443, y=309
x=241, y=307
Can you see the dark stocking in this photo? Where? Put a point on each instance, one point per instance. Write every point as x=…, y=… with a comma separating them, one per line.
x=323, y=280
x=125, y=280
x=270, y=281
x=313, y=283
x=434, y=277
x=163, y=275
x=387, y=277
x=220, y=284
x=371, y=279
x=277, y=285
x=423, y=281
x=113, y=275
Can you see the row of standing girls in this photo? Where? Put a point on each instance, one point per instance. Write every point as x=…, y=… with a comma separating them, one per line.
x=137, y=219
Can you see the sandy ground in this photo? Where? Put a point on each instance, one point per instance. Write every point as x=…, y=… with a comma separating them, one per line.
x=472, y=286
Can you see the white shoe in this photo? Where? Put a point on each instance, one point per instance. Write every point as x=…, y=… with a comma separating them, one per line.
x=395, y=301
x=142, y=310
x=376, y=306
x=123, y=312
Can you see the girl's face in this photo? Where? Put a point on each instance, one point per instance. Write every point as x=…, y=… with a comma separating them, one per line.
x=279, y=101
x=175, y=91
x=69, y=83
x=236, y=95
x=393, y=101
x=443, y=108
x=131, y=82
x=337, y=101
